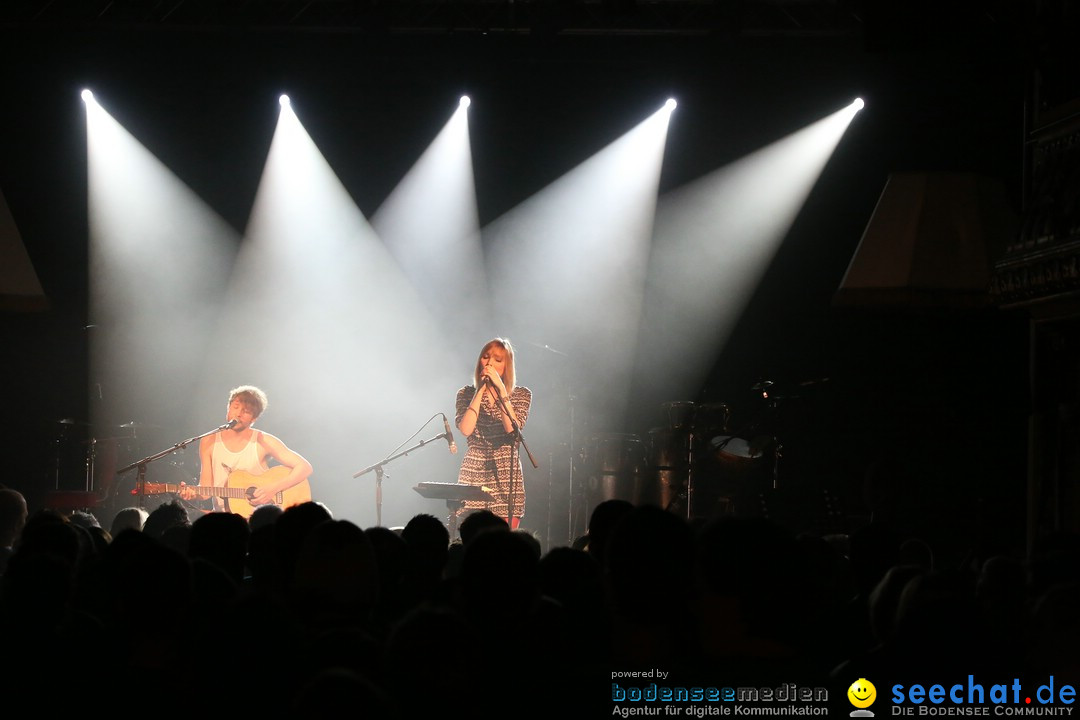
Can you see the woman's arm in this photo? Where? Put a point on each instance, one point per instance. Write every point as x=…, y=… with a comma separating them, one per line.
x=468, y=410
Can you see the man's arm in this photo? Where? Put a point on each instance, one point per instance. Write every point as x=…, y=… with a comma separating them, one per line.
x=299, y=468
x=206, y=470
x=206, y=461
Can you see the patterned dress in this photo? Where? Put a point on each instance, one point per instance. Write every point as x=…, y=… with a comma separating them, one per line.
x=493, y=453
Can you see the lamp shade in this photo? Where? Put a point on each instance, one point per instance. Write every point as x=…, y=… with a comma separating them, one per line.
x=931, y=242
x=20, y=290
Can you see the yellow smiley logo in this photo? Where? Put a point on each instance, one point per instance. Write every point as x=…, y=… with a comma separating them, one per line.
x=862, y=693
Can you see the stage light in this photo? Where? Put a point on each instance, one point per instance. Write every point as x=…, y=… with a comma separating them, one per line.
x=670, y=104
x=430, y=223
x=284, y=100
x=309, y=252
x=153, y=288
x=87, y=96
x=598, y=215
x=713, y=241
x=858, y=104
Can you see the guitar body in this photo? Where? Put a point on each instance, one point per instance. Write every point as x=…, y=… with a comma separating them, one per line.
x=238, y=490
x=247, y=484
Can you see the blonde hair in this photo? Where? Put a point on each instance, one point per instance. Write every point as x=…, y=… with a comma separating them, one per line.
x=251, y=396
x=508, y=372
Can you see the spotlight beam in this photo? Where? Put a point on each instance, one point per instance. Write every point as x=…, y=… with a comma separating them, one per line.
x=714, y=240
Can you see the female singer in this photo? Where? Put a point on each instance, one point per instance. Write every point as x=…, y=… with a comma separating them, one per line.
x=486, y=413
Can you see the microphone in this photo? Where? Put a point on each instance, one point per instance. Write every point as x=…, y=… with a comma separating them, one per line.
x=228, y=426
x=449, y=436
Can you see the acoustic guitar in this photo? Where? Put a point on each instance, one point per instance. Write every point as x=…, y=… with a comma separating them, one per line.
x=240, y=487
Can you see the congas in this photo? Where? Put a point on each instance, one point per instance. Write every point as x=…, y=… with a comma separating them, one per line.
x=711, y=419
x=616, y=465
x=669, y=463
x=679, y=414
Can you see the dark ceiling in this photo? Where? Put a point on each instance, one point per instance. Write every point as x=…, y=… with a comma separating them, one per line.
x=879, y=19
x=798, y=17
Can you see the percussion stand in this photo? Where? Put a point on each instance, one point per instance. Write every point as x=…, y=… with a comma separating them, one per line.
x=570, y=487
x=688, y=488
x=773, y=406
x=674, y=423
x=91, y=458
x=61, y=444
x=771, y=409
x=551, y=467
x=777, y=453
x=570, y=498
x=690, y=473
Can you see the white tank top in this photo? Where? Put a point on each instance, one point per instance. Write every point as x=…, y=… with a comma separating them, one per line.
x=225, y=461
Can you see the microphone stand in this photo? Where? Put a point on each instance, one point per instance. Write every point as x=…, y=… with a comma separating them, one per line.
x=514, y=458
x=378, y=468
x=140, y=478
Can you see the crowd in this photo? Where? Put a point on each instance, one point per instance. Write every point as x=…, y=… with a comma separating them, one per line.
x=295, y=613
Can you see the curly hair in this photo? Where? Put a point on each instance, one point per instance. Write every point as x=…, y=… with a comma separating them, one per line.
x=251, y=396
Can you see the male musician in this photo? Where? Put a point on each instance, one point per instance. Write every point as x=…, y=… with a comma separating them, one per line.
x=242, y=448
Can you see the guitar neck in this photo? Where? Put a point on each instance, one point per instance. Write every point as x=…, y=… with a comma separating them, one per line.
x=200, y=490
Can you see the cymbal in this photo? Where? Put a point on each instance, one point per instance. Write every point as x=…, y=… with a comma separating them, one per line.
x=542, y=346
x=136, y=425
x=72, y=421
x=110, y=439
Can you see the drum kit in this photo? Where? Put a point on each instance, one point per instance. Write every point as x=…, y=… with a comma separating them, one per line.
x=693, y=464
x=84, y=467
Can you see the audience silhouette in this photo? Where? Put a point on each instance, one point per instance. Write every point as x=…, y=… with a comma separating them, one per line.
x=128, y=517
x=13, y=513
x=317, y=613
